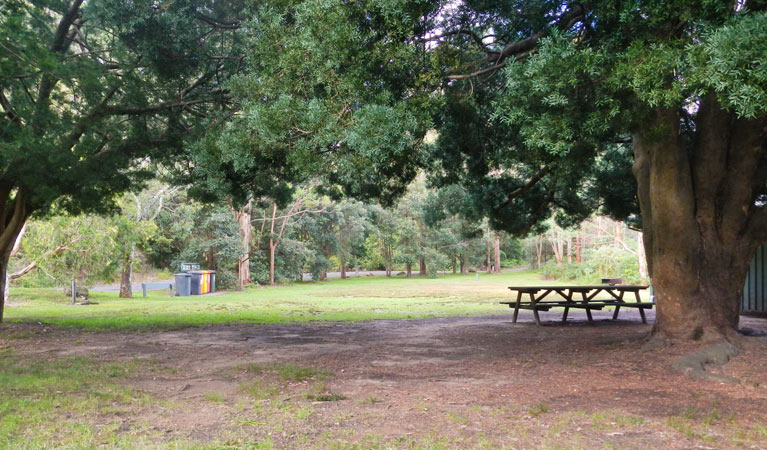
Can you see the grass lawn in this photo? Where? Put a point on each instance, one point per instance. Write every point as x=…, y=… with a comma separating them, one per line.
x=355, y=299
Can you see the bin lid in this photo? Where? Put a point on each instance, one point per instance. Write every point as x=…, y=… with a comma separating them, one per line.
x=181, y=275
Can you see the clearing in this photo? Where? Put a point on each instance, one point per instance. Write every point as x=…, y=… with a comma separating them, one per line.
x=475, y=381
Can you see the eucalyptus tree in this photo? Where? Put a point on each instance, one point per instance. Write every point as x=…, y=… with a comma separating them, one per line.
x=90, y=91
x=546, y=108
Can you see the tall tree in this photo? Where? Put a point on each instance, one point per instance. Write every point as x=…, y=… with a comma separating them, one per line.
x=88, y=89
x=543, y=107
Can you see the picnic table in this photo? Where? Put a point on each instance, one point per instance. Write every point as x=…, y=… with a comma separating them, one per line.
x=582, y=297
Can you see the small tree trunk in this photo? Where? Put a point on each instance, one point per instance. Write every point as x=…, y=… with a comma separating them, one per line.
x=126, y=287
x=271, y=261
x=539, y=250
x=497, y=252
x=454, y=265
x=462, y=263
x=409, y=268
x=422, y=266
x=556, y=248
x=245, y=229
x=343, y=270
x=569, y=250
x=578, y=257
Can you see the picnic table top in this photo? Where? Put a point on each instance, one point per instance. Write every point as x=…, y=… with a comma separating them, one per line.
x=620, y=287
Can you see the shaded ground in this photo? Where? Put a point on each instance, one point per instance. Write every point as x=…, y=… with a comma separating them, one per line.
x=452, y=383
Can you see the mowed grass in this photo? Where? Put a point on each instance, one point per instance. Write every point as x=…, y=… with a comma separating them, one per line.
x=355, y=299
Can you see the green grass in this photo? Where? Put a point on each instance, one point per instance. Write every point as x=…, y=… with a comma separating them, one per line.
x=48, y=401
x=356, y=299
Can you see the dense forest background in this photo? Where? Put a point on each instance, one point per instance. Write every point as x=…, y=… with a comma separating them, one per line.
x=157, y=229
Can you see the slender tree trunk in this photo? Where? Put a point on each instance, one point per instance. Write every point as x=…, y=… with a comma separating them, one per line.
x=343, y=270
x=271, y=261
x=245, y=229
x=409, y=268
x=569, y=244
x=578, y=244
x=556, y=247
x=462, y=264
x=539, y=251
x=497, y=252
x=454, y=265
x=126, y=286
x=422, y=266
x=701, y=217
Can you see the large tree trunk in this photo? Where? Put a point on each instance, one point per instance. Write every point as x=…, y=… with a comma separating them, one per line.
x=14, y=212
x=701, y=215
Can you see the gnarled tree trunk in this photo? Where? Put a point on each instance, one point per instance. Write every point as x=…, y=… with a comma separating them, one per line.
x=14, y=212
x=703, y=216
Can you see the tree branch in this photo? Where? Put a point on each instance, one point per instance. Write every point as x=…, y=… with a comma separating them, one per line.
x=526, y=187
x=61, y=42
x=524, y=47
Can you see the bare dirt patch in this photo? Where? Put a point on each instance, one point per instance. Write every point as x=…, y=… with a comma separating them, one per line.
x=459, y=382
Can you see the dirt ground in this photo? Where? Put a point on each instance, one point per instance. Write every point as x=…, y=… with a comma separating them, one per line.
x=441, y=383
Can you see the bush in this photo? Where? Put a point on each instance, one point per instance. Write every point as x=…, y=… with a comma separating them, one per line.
x=226, y=280
x=604, y=262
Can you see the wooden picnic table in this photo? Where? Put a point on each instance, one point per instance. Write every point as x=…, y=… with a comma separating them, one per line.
x=583, y=297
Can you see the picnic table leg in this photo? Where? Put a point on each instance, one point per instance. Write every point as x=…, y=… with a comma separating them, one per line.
x=535, y=309
x=618, y=307
x=641, y=310
x=567, y=308
x=588, y=311
x=516, y=307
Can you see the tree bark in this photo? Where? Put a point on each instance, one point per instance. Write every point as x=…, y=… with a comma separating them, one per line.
x=409, y=268
x=14, y=212
x=126, y=287
x=539, y=251
x=462, y=263
x=701, y=216
x=14, y=250
x=245, y=229
x=421, y=266
x=343, y=270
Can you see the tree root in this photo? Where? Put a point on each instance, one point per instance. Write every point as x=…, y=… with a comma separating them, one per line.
x=694, y=364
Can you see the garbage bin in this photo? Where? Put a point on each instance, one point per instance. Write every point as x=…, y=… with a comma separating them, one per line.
x=203, y=281
x=183, y=284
